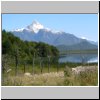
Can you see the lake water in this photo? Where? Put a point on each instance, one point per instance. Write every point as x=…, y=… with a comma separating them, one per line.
x=79, y=58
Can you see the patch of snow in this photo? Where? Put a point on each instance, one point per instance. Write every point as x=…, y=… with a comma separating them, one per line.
x=19, y=30
x=83, y=38
x=35, y=26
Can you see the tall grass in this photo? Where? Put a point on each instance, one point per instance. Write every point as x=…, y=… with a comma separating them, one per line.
x=85, y=78
x=46, y=79
x=62, y=78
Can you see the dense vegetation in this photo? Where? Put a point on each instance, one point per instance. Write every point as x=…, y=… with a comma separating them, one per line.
x=25, y=49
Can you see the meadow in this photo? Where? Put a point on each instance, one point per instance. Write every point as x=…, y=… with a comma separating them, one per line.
x=62, y=76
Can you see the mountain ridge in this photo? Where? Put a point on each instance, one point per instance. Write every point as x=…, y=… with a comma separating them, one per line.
x=38, y=33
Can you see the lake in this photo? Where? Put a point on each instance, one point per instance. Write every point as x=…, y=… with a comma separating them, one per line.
x=77, y=58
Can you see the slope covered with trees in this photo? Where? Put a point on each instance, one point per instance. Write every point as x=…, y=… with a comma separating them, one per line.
x=12, y=45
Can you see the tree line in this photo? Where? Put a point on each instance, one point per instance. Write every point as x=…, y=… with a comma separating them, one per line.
x=12, y=45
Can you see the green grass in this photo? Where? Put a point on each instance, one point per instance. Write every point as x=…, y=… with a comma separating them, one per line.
x=36, y=69
x=95, y=51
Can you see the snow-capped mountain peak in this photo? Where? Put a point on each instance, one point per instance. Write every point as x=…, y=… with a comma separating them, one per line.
x=35, y=26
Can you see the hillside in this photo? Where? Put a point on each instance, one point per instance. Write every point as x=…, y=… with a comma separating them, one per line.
x=25, y=49
x=84, y=45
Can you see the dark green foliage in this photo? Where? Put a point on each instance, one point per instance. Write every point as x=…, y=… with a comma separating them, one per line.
x=25, y=50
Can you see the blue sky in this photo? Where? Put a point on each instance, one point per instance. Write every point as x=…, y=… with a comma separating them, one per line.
x=81, y=25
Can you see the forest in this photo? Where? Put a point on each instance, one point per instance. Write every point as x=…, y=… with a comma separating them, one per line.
x=12, y=44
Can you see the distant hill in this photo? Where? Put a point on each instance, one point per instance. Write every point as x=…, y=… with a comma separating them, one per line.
x=92, y=42
x=84, y=45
